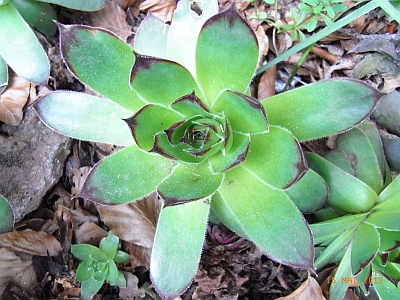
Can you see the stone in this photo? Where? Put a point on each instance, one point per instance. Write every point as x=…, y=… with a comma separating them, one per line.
x=32, y=161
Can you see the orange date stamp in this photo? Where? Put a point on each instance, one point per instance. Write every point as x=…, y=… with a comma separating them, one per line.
x=353, y=280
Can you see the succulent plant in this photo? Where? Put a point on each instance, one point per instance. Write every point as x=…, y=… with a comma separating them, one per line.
x=179, y=102
x=362, y=229
x=20, y=49
x=98, y=264
x=6, y=215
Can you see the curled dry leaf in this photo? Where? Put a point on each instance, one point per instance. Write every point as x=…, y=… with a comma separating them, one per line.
x=133, y=222
x=31, y=242
x=17, y=269
x=13, y=100
x=162, y=9
x=266, y=86
x=113, y=18
x=89, y=233
x=309, y=289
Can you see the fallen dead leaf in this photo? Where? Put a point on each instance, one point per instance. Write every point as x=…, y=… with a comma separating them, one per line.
x=16, y=269
x=79, y=177
x=266, y=86
x=13, y=100
x=133, y=222
x=113, y=18
x=31, y=242
x=89, y=233
x=139, y=256
x=309, y=289
x=162, y=9
x=131, y=290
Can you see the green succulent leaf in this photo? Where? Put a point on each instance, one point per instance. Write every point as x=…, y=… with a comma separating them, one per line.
x=150, y=120
x=189, y=182
x=353, y=197
x=244, y=193
x=390, y=240
x=115, y=181
x=71, y=113
x=223, y=161
x=190, y=105
x=321, y=109
x=109, y=245
x=3, y=75
x=85, y=270
x=338, y=289
x=85, y=5
x=101, y=60
x=324, y=231
x=362, y=154
x=121, y=257
x=245, y=114
x=390, y=205
x=38, y=15
x=20, y=47
x=148, y=72
x=151, y=37
x=90, y=287
x=312, y=185
x=112, y=272
x=385, y=219
x=177, y=247
x=338, y=158
x=121, y=281
x=83, y=251
x=6, y=215
x=391, y=190
x=279, y=168
x=365, y=246
x=386, y=289
x=184, y=31
x=218, y=46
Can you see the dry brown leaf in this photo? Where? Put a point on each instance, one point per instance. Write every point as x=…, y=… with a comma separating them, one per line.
x=139, y=256
x=162, y=9
x=309, y=289
x=78, y=179
x=16, y=269
x=31, y=242
x=131, y=291
x=133, y=222
x=266, y=86
x=13, y=100
x=113, y=18
x=89, y=233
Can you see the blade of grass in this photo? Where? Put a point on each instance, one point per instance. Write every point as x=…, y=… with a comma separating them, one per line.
x=324, y=32
x=389, y=9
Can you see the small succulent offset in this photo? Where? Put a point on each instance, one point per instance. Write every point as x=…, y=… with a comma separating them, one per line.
x=20, y=49
x=6, y=215
x=179, y=102
x=98, y=264
x=361, y=227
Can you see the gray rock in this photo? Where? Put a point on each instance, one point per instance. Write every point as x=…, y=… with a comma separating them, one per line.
x=31, y=163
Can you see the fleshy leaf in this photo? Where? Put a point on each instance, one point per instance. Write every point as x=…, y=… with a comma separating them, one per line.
x=177, y=247
x=151, y=37
x=3, y=74
x=366, y=244
x=147, y=74
x=189, y=182
x=392, y=189
x=190, y=105
x=148, y=121
x=221, y=162
x=101, y=60
x=38, y=15
x=90, y=287
x=353, y=197
x=390, y=204
x=338, y=289
x=6, y=215
x=265, y=214
x=219, y=54
x=339, y=159
x=83, y=251
x=109, y=245
x=390, y=240
x=184, y=31
x=324, y=231
x=85, y=117
x=84, y=270
x=112, y=273
x=85, y=5
x=115, y=181
x=363, y=157
x=323, y=108
x=385, y=219
x=275, y=157
x=20, y=47
x=312, y=185
x=245, y=114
